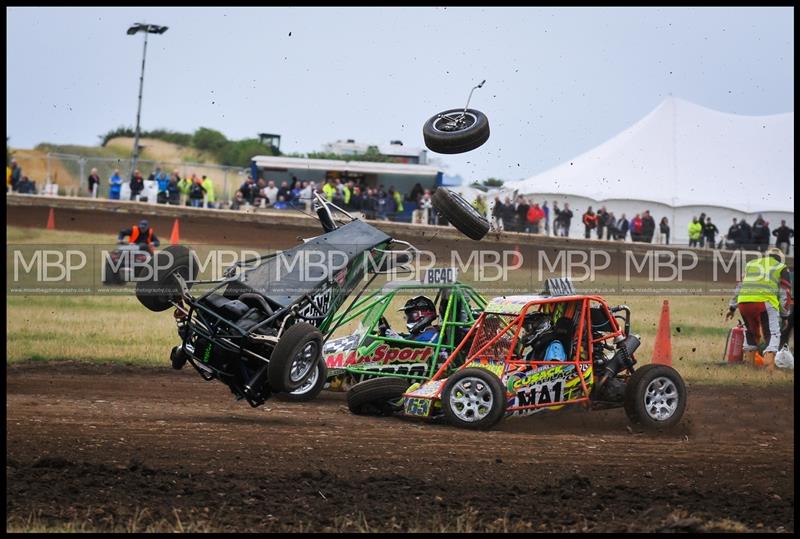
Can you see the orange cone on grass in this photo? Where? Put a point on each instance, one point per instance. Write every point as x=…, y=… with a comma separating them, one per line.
x=51, y=220
x=174, y=237
x=662, y=351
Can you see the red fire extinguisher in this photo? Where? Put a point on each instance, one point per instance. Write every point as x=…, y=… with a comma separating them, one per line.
x=734, y=344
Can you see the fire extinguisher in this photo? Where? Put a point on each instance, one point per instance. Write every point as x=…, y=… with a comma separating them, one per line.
x=734, y=344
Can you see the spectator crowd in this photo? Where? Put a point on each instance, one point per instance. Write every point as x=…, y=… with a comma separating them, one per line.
x=526, y=215
x=370, y=202
x=520, y=215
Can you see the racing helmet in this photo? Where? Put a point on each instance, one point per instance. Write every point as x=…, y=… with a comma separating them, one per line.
x=536, y=324
x=418, y=308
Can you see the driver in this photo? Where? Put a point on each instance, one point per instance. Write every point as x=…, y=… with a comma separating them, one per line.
x=141, y=234
x=538, y=339
x=420, y=317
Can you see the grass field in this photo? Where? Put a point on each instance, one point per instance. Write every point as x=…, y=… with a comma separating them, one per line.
x=117, y=328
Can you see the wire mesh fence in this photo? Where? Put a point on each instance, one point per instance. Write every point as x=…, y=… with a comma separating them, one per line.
x=68, y=174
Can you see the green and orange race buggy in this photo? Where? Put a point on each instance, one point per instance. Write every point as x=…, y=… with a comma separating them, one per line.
x=374, y=351
x=529, y=354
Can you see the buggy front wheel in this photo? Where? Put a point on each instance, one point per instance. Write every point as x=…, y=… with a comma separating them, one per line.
x=473, y=399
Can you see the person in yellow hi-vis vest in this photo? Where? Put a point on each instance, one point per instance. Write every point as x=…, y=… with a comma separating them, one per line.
x=329, y=190
x=761, y=301
x=208, y=185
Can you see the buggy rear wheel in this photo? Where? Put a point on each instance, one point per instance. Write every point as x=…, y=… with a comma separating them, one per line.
x=294, y=359
x=311, y=388
x=460, y=213
x=159, y=291
x=655, y=397
x=473, y=399
x=380, y=396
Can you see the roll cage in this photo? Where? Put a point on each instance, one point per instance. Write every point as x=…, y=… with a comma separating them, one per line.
x=495, y=338
x=461, y=304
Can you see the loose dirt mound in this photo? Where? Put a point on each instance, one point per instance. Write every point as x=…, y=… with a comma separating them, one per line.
x=126, y=448
x=160, y=150
x=34, y=166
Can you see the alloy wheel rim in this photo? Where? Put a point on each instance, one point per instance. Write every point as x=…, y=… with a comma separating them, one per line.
x=452, y=123
x=303, y=362
x=471, y=399
x=306, y=387
x=661, y=398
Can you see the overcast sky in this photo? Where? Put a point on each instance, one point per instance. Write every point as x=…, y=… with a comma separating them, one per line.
x=559, y=80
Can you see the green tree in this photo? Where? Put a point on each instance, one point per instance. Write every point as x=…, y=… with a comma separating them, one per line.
x=493, y=182
x=209, y=140
x=239, y=153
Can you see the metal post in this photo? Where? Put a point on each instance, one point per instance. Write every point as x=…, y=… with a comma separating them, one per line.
x=139, y=110
x=225, y=188
x=82, y=168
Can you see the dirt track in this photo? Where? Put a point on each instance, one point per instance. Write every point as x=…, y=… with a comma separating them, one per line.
x=104, y=444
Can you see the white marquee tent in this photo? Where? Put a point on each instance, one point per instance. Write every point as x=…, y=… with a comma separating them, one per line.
x=679, y=161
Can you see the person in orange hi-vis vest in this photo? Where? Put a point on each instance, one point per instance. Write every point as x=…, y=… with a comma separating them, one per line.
x=141, y=234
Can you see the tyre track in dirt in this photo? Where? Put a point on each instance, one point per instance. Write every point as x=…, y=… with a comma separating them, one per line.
x=114, y=440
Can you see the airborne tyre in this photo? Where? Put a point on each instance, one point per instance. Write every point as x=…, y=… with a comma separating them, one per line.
x=473, y=399
x=460, y=213
x=377, y=396
x=655, y=397
x=311, y=388
x=444, y=135
x=294, y=359
x=161, y=289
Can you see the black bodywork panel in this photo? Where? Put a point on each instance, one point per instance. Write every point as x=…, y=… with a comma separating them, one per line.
x=285, y=279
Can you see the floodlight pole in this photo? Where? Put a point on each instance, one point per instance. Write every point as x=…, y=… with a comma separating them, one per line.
x=139, y=109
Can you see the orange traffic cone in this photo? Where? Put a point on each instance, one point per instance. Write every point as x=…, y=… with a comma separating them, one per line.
x=662, y=351
x=173, y=239
x=51, y=220
x=759, y=360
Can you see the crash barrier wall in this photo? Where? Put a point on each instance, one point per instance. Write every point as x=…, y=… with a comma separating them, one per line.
x=67, y=175
x=658, y=269
x=70, y=174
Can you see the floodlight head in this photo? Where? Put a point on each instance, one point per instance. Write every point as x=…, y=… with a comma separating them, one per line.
x=149, y=28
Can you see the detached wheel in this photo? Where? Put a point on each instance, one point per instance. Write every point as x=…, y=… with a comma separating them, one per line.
x=295, y=358
x=655, y=397
x=378, y=396
x=460, y=213
x=157, y=292
x=473, y=399
x=311, y=388
x=456, y=131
